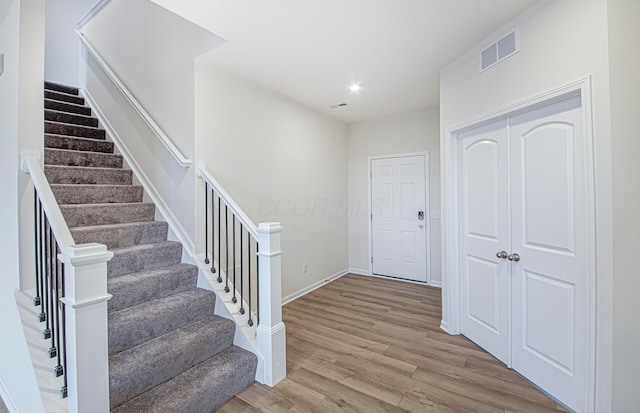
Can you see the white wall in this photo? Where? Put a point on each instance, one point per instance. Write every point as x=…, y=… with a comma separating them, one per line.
x=280, y=161
x=21, y=117
x=561, y=41
x=152, y=51
x=624, y=53
x=412, y=132
x=62, y=52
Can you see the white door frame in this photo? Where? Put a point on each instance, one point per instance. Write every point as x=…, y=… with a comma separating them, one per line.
x=427, y=211
x=451, y=254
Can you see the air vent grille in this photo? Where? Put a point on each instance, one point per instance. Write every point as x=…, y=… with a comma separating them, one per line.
x=505, y=47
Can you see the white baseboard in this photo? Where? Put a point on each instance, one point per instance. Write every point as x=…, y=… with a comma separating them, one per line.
x=444, y=326
x=314, y=286
x=437, y=284
x=6, y=397
x=149, y=188
x=359, y=271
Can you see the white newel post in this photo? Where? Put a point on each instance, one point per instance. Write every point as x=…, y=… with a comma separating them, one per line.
x=86, y=317
x=270, y=334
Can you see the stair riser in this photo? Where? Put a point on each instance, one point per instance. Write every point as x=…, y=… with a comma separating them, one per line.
x=84, y=215
x=134, y=289
x=74, y=130
x=122, y=236
x=56, y=87
x=75, y=158
x=127, y=262
x=77, y=144
x=202, y=388
x=131, y=329
x=63, y=117
x=91, y=194
x=63, y=97
x=67, y=107
x=197, y=342
x=86, y=176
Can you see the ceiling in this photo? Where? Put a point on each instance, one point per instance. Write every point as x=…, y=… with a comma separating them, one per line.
x=311, y=51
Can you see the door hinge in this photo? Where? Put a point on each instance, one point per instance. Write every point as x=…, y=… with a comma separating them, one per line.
x=372, y=259
x=372, y=217
x=370, y=174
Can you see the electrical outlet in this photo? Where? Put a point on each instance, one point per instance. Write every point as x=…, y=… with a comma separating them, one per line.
x=435, y=214
x=305, y=268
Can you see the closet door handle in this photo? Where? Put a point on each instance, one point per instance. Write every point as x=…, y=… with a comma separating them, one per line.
x=502, y=254
x=514, y=257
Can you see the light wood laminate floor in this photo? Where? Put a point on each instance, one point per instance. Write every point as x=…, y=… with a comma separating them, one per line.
x=364, y=344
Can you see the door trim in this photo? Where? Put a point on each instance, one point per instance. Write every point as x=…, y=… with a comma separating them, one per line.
x=451, y=254
x=427, y=207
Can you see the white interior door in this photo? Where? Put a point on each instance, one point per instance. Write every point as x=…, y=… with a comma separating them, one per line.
x=398, y=215
x=549, y=232
x=485, y=239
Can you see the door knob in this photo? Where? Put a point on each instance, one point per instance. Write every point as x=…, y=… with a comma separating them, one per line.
x=514, y=257
x=502, y=254
x=421, y=215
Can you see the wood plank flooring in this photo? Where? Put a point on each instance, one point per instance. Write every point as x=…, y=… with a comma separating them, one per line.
x=364, y=344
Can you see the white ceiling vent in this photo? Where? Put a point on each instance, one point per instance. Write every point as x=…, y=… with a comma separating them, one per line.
x=505, y=47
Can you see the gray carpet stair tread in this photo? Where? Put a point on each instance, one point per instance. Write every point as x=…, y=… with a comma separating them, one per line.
x=63, y=97
x=57, y=87
x=70, y=129
x=135, y=325
x=200, y=389
x=133, y=289
x=78, y=215
x=67, y=107
x=96, y=194
x=141, y=368
x=66, y=157
x=144, y=257
x=77, y=144
x=81, y=175
x=73, y=118
x=122, y=235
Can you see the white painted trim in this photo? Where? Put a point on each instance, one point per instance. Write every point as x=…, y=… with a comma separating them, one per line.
x=95, y=10
x=203, y=173
x=87, y=303
x=444, y=326
x=359, y=271
x=6, y=397
x=149, y=188
x=451, y=253
x=427, y=211
x=384, y=277
x=155, y=128
x=314, y=286
x=30, y=164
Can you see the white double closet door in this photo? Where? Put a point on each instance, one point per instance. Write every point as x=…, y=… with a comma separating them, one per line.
x=524, y=184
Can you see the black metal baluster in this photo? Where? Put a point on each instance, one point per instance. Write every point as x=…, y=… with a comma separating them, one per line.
x=47, y=278
x=41, y=250
x=213, y=231
x=206, y=223
x=241, y=272
x=250, y=322
x=219, y=243
x=234, y=299
x=63, y=349
x=52, y=302
x=258, y=281
x=58, y=369
x=226, y=250
x=36, y=300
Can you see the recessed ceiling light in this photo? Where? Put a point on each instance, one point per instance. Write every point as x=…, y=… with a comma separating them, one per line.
x=355, y=88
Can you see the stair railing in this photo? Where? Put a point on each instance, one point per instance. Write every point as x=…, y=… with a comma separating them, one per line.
x=247, y=259
x=71, y=292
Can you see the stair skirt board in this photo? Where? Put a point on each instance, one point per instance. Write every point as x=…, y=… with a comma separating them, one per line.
x=168, y=350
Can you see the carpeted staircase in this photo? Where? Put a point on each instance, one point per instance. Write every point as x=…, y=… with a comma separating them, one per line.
x=168, y=352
